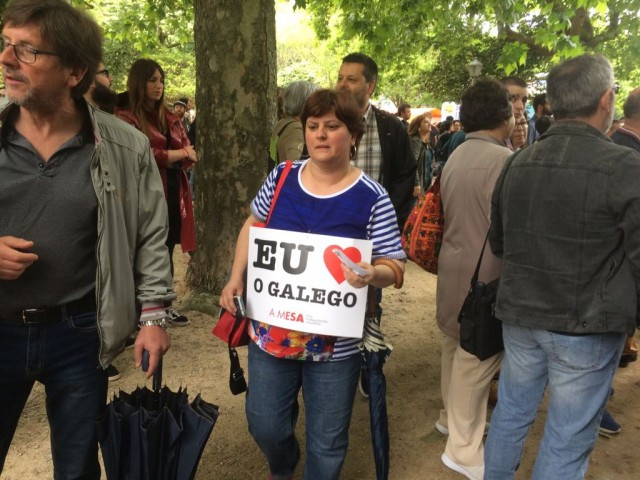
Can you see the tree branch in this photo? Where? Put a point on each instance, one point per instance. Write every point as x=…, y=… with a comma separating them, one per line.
x=581, y=25
x=609, y=33
x=514, y=36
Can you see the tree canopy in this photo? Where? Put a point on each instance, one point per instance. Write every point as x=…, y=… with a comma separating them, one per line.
x=422, y=46
x=520, y=37
x=158, y=29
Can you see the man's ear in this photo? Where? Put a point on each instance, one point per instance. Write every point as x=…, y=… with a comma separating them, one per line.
x=607, y=100
x=76, y=74
x=371, y=86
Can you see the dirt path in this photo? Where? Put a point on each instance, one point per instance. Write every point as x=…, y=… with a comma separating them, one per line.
x=199, y=361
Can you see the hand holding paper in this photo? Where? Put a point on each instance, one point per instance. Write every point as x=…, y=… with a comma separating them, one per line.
x=357, y=269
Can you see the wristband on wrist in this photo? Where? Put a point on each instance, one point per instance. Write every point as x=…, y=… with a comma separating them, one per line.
x=398, y=274
x=158, y=322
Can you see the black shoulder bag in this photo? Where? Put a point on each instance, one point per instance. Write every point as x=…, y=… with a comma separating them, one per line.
x=480, y=330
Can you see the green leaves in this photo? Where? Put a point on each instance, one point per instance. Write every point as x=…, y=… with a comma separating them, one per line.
x=513, y=56
x=158, y=29
x=532, y=33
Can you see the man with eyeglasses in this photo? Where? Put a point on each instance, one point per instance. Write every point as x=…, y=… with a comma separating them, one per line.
x=82, y=233
x=100, y=94
x=564, y=220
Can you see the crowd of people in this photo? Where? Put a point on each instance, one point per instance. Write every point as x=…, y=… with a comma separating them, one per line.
x=94, y=204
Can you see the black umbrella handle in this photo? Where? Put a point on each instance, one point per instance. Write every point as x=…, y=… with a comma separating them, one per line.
x=157, y=375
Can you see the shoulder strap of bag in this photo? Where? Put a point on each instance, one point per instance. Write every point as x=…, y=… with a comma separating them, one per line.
x=506, y=167
x=284, y=127
x=273, y=142
x=474, y=279
x=283, y=176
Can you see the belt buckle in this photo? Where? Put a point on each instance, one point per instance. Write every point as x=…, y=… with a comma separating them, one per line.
x=38, y=315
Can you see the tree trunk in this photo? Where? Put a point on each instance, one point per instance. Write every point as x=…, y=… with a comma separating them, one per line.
x=236, y=111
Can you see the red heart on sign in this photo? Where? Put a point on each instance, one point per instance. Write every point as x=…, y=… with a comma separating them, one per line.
x=333, y=263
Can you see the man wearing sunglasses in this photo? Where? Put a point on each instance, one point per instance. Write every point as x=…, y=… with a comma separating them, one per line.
x=82, y=233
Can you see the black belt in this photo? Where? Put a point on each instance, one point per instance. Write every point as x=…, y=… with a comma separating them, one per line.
x=47, y=315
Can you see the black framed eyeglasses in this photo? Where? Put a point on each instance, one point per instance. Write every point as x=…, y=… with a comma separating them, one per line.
x=104, y=72
x=24, y=53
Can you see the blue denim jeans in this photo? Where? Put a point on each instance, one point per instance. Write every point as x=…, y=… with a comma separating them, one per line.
x=578, y=371
x=63, y=356
x=328, y=389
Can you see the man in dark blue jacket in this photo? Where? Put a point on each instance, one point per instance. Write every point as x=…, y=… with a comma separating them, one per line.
x=566, y=222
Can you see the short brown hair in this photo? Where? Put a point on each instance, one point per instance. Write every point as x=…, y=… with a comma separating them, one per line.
x=73, y=34
x=322, y=102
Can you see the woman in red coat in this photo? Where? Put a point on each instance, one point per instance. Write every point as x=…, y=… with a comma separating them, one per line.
x=171, y=149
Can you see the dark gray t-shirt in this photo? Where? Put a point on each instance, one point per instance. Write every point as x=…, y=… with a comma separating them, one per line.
x=54, y=205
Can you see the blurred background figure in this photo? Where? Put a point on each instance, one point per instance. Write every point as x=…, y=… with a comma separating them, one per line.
x=541, y=108
x=287, y=141
x=181, y=109
x=518, y=94
x=542, y=125
x=4, y=101
x=615, y=125
x=102, y=97
x=467, y=183
x=100, y=94
x=172, y=151
x=419, y=138
x=404, y=113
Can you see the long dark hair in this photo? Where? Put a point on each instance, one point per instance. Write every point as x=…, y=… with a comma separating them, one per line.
x=139, y=73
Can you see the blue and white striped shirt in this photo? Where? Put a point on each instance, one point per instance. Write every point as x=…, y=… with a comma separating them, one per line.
x=362, y=210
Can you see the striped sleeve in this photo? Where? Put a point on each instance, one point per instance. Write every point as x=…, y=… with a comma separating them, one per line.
x=152, y=311
x=261, y=204
x=383, y=230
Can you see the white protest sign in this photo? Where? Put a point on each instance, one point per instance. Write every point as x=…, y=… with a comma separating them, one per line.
x=295, y=281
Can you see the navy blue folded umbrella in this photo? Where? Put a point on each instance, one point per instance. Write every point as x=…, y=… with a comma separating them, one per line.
x=155, y=434
x=375, y=352
x=374, y=361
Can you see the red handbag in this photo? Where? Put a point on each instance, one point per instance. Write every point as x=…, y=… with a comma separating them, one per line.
x=423, y=231
x=233, y=329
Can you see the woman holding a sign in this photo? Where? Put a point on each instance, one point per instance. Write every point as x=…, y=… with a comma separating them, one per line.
x=307, y=305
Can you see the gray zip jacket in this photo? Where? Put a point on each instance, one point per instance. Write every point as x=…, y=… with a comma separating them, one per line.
x=132, y=259
x=565, y=219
